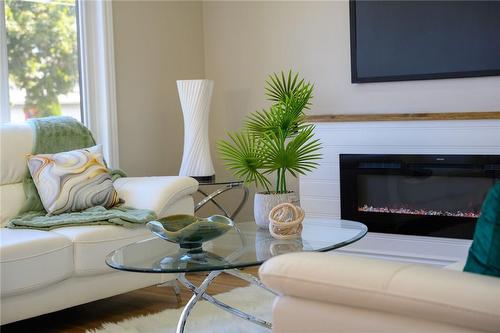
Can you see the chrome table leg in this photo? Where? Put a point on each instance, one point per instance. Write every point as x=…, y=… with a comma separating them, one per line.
x=177, y=291
x=211, y=197
x=200, y=292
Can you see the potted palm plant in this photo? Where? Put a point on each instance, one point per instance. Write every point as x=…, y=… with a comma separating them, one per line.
x=275, y=141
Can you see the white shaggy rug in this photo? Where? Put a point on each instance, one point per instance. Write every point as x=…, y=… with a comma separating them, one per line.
x=205, y=317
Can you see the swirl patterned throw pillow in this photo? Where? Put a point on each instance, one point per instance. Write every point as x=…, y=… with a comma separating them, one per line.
x=72, y=181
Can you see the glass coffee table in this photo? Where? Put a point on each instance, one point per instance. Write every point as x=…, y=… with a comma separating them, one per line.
x=243, y=246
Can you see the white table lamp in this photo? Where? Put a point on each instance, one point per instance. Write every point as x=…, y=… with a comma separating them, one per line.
x=195, y=97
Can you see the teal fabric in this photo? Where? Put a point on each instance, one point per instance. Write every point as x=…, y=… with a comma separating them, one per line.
x=59, y=134
x=484, y=253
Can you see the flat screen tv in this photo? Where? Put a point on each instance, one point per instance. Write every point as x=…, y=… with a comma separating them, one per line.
x=419, y=40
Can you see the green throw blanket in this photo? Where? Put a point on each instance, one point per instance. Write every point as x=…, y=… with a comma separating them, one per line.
x=59, y=134
x=98, y=215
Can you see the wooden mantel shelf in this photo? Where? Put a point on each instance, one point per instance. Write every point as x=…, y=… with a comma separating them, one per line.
x=403, y=117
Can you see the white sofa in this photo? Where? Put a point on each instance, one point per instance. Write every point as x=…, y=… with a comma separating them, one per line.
x=325, y=292
x=45, y=271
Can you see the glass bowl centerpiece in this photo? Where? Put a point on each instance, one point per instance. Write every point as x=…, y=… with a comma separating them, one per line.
x=189, y=231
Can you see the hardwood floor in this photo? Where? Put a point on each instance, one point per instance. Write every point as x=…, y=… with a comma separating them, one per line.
x=140, y=302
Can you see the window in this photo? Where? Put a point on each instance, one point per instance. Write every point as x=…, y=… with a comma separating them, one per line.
x=42, y=55
x=69, y=66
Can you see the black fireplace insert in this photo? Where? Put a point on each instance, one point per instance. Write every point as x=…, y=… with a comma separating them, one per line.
x=425, y=195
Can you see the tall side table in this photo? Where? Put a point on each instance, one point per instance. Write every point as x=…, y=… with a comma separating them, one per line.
x=221, y=187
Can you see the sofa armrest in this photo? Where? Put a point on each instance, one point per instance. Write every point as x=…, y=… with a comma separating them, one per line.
x=155, y=193
x=418, y=291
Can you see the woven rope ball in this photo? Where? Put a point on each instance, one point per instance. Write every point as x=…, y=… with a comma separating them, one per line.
x=285, y=221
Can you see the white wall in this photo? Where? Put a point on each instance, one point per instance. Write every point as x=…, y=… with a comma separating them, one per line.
x=246, y=41
x=156, y=43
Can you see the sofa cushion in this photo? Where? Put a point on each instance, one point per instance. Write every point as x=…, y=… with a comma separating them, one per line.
x=16, y=141
x=158, y=194
x=484, y=253
x=12, y=199
x=93, y=243
x=407, y=290
x=31, y=259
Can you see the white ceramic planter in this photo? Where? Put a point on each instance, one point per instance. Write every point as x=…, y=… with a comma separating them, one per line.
x=263, y=203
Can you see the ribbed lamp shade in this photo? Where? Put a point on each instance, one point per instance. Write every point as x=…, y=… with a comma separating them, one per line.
x=195, y=97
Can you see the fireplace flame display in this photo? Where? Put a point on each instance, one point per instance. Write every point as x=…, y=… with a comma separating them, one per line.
x=422, y=195
x=410, y=211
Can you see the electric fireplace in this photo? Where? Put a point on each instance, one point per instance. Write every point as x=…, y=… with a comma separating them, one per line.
x=426, y=195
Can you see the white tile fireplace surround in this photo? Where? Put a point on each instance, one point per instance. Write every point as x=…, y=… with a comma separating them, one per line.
x=320, y=190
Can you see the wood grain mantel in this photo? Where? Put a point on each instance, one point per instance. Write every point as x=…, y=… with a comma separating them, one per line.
x=403, y=116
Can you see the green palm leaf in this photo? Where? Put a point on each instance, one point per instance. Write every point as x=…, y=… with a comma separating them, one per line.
x=299, y=155
x=275, y=140
x=281, y=87
x=243, y=155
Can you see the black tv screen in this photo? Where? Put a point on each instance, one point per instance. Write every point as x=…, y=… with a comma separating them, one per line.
x=417, y=40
